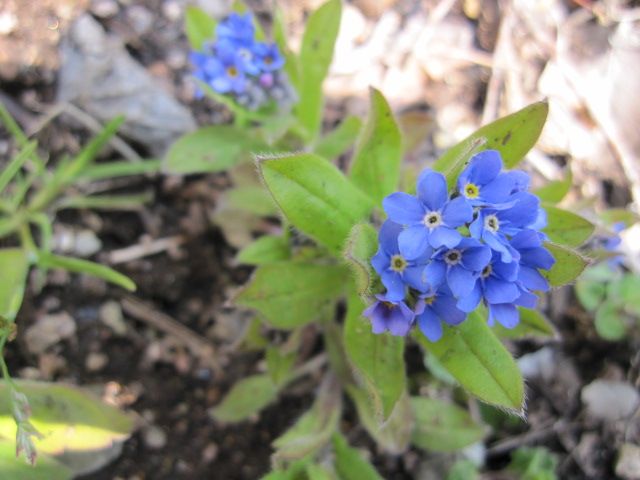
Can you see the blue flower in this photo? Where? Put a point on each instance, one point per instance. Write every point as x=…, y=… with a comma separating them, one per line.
x=430, y=219
x=533, y=256
x=496, y=283
x=390, y=315
x=459, y=266
x=245, y=55
x=395, y=271
x=222, y=72
x=268, y=56
x=434, y=308
x=493, y=225
x=482, y=182
x=237, y=28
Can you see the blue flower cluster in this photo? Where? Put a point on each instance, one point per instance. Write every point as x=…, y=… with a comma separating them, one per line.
x=236, y=64
x=441, y=255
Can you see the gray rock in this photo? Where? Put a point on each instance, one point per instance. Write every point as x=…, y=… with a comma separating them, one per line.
x=610, y=400
x=98, y=75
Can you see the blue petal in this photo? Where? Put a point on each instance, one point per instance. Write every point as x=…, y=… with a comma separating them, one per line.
x=505, y=270
x=521, y=180
x=531, y=278
x=388, y=237
x=434, y=273
x=476, y=258
x=445, y=307
x=524, y=212
x=505, y=313
x=538, y=258
x=498, y=190
x=525, y=239
x=499, y=291
x=444, y=236
x=469, y=302
x=401, y=320
x=415, y=278
x=526, y=299
x=430, y=325
x=403, y=208
x=380, y=261
x=496, y=243
x=477, y=227
x=394, y=285
x=432, y=189
x=413, y=242
x=460, y=280
x=457, y=212
x=484, y=167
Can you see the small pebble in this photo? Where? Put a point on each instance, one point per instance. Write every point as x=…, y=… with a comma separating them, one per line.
x=96, y=361
x=154, y=437
x=104, y=8
x=111, y=315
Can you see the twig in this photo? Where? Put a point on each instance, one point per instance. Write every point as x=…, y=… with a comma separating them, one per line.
x=196, y=344
x=87, y=120
x=514, y=442
x=144, y=249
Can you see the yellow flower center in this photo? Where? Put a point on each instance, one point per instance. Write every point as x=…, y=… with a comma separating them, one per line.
x=430, y=300
x=398, y=263
x=471, y=190
x=232, y=71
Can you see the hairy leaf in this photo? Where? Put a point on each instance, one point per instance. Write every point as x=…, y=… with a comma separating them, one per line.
x=377, y=359
x=315, y=197
x=475, y=357
x=376, y=161
x=567, y=228
x=290, y=294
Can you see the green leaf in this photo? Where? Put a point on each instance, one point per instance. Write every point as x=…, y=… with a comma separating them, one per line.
x=609, y=322
x=123, y=168
x=349, y=463
x=416, y=126
x=569, y=265
x=377, y=359
x=69, y=418
x=376, y=161
x=247, y=397
x=476, y=358
x=566, y=228
x=337, y=141
x=70, y=169
x=279, y=364
x=290, y=294
x=291, y=61
x=46, y=468
x=615, y=215
x=627, y=291
x=77, y=265
x=15, y=164
x=532, y=324
x=313, y=429
x=316, y=472
x=266, y=249
x=513, y=136
x=590, y=293
x=393, y=435
x=199, y=26
x=253, y=199
x=361, y=246
x=121, y=202
x=211, y=149
x=554, y=192
x=14, y=267
x=534, y=464
x=463, y=470
x=315, y=197
x=315, y=58
x=443, y=427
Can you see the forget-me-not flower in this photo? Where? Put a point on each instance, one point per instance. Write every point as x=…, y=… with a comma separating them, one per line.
x=431, y=219
x=390, y=315
x=434, y=308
